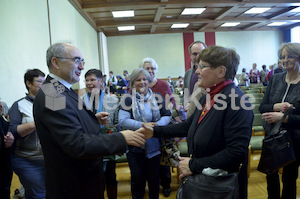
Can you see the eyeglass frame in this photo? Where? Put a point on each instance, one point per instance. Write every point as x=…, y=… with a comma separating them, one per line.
x=288, y=57
x=39, y=81
x=92, y=80
x=77, y=60
x=199, y=66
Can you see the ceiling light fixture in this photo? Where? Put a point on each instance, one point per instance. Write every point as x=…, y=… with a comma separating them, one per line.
x=276, y=23
x=230, y=24
x=125, y=28
x=256, y=10
x=296, y=10
x=125, y=13
x=180, y=25
x=193, y=11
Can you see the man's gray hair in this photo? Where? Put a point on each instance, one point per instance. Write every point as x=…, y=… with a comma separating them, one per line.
x=55, y=50
x=149, y=60
x=136, y=72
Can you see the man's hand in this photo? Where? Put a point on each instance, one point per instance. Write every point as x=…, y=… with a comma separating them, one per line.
x=102, y=118
x=272, y=117
x=184, y=169
x=134, y=138
x=146, y=130
x=8, y=140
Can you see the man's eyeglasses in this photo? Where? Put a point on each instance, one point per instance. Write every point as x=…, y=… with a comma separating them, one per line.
x=91, y=80
x=39, y=81
x=287, y=56
x=195, y=54
x=77, y=60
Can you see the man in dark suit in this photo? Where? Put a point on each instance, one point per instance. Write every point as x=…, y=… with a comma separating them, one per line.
x=69, y=133
x=190, y=78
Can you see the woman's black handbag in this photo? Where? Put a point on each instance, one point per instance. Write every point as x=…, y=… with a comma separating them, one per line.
x=277, y=149
x=203, y=186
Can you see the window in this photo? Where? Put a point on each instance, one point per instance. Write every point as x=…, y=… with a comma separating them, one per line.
x=295, y=34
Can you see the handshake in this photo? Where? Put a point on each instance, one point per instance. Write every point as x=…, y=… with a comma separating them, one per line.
x=135, y=138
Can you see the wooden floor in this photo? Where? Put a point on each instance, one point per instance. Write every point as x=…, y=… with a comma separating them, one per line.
x=256, y=187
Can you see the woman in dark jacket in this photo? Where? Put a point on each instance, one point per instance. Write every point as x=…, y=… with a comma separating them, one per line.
x=218, y=135
x=282, y=91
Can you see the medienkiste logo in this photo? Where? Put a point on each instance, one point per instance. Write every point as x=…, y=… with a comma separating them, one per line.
x=54, y=100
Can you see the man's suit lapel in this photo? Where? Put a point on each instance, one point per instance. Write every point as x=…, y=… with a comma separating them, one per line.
x=72, y=94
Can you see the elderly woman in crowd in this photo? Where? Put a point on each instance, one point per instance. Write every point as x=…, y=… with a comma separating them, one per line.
x=218, y=135
x=143, y=106
x=254, y=74
x=160, y=86
x=283, y=91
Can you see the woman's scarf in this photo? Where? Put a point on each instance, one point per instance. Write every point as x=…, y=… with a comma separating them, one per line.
x=138, y=103
x=152, y=147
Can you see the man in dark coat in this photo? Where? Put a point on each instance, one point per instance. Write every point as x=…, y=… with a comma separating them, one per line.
x=69, y=133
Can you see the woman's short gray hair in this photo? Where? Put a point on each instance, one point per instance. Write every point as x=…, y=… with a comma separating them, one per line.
x=55, y=50
x=151, y=61
x=136, y=72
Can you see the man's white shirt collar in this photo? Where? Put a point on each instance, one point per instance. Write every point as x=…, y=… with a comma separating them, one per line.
x=63, y=82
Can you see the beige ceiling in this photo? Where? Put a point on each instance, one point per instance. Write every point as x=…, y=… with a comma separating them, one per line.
x=157, y=16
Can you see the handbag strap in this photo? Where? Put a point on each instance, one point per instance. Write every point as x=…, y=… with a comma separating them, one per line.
x=276, y=128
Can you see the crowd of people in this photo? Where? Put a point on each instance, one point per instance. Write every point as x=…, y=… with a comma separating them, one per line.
x=262, y=76
x=64, y=146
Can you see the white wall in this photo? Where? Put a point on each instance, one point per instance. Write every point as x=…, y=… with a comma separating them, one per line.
x=199, y=36
x=127, y=52
x=258, y=47
x=24, y=39
x=68, y=25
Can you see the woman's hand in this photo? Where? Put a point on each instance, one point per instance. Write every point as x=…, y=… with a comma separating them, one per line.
x=150, y=124
x=102, y=118
x=184, y=169
x=272, y=117
x=281, y=106
x=8, y=140
x=146, y=130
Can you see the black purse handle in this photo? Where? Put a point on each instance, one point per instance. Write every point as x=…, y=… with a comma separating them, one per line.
x=276, y=128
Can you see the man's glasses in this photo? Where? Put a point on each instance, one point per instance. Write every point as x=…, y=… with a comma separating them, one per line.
x=91, y=80
x=77, y=60
x=287, y=56
x=39, y=81
x=195, y=54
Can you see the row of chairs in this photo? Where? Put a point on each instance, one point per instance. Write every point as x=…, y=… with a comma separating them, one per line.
x=255, y=94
